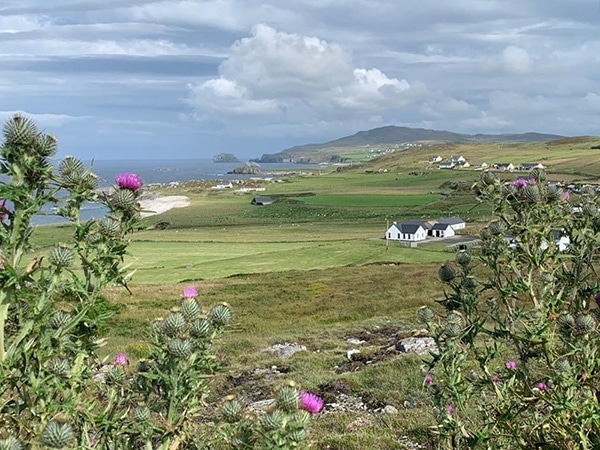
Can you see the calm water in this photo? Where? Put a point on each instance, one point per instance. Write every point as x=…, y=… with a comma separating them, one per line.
x=162, y=171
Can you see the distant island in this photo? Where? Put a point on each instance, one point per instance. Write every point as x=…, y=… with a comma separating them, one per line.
x=225, y=158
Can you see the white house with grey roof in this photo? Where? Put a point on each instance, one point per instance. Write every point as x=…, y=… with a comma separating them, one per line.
x=442, y=230
x=407, y=231
x=455, y=222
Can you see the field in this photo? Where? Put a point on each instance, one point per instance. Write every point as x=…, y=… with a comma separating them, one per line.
x=313, y=269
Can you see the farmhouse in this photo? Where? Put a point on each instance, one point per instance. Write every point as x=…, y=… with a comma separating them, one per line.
x=407, y=231
x=447, y=164
x=262, y=200
x=435, y=159
x=442, y=230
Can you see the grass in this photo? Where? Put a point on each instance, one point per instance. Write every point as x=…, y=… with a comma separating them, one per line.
x=312, y=268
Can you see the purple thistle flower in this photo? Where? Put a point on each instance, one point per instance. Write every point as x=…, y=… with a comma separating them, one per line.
x=597, y=299
x=511, y=365
x=541, y=386
x=565, y=196
x=495, y=378
x=128, y=180
x=120, y=359
x=428, y=379
x=190, y=292
x=310, y=402
x=450, y=409
x=532, y=181
x=2, y=210
x=519, y=183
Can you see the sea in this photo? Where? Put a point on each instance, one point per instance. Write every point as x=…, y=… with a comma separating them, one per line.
x=161, y=171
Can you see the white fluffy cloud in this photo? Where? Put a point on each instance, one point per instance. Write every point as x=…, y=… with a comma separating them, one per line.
x=295, y=79
x=512, y=61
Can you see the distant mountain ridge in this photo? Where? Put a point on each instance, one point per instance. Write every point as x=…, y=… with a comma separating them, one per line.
x=395, y=135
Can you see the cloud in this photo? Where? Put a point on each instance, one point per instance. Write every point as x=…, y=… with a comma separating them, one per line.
x=294, y=79
x=44, y=120
x=512, y=61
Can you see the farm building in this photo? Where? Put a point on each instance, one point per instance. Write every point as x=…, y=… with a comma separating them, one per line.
x=407, y=231
x=442, y=230
x=455, y=222
x=262, y=200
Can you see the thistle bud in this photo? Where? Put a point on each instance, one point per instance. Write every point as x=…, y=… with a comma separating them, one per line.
x=200, y=328
x=287, y=399
x=538, y=175
x=469, y=283
x=61, y=256
x=531, y=193
x=463, y=259
x=452, y=330
x=190, y=308
x=455, y=317
x=566, y=321
x=425, y=314
x=232, y=410
x=497, y=227
x=57, y=435
x=10, y=443
x=446, y=273
x=174, y=324
x=70, y=170
x=272, y=420
x=110, y=227
x=59, y=366
x=123, y=199
x=60, y=319
x=220, y=315
x=585, y=323
x=562, y=365
x=141, y=414
x=180, y=348
x=489, y=178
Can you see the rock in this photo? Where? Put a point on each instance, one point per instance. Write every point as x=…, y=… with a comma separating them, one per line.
x=249, y=168
x=261, y=405
x=419, y=345
x=358, y=424
x=355, y=341
x=284, y=350
x=225, y=158
x=389, y=409
x=351, y=352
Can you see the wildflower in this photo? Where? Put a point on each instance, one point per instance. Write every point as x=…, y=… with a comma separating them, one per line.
x=128, y=180
x=450, y=409
x=540, y=386
x=120, y=359
x=190, y=292
x=495, y=378
x=597, y=299
x=310, y=402
x=3, y=210
x=532, y=181
x=428, y=379
x=565, y=196
x=511, y=364
x=519, y=183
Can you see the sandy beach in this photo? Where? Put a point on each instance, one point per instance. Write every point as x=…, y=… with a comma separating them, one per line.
x=159, y=205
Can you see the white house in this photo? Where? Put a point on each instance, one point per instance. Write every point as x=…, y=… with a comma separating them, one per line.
x=504, y=167
x=407, y=231
x=455, y=222
x=435, y=159
x=447, y=165
x=530, y=166
x=442, y=230
x=458, y=159
x=559, y=239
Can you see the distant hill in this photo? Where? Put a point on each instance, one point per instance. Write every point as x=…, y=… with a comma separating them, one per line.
x=338, y=150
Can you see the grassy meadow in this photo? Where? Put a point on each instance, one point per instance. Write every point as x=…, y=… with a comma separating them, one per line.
x=312, y=268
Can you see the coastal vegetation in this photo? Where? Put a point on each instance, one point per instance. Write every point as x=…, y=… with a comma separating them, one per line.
x=312, y=269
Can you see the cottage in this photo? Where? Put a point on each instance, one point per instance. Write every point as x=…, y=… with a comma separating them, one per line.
x=407, y=231
x=504, y=167
x=435, y=159
x=458, y=159
x=455, y=222
x=262, y=200
x=531, y=166
x=447, y=164
x=442, y=230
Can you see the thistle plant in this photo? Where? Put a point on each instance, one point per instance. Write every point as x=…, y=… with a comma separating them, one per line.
x=52, y=314
x=284, y=425
x=519, y=344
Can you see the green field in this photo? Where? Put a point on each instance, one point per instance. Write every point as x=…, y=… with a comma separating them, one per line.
x=313, y=268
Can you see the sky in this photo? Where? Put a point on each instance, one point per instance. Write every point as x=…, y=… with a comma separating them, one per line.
x=152, y=79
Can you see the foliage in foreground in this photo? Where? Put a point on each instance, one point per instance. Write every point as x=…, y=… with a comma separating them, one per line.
x=55, y=392
x=519, y=351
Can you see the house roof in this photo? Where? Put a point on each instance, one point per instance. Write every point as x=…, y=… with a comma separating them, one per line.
x=454, y=220
x=262, y=199
x=409, y=227
x=441, y=226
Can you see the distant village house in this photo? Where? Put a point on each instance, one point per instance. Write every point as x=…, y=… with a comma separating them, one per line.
x=262, y=200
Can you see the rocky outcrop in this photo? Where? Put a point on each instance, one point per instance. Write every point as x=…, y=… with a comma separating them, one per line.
x=250, y=168
x=225, y=158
